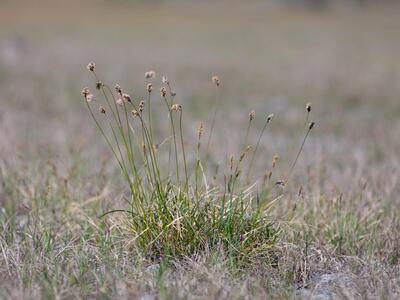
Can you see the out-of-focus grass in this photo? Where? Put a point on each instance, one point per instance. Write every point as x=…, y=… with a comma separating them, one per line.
x=57, y=177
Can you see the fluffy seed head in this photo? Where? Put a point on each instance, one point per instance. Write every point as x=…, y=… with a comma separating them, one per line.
x=85, y=92
x=90, y=98
x=149, y=87
x=308, y=107
x=252, y=115
x=126, y=98
x=311, y=125
x=141, y=106
x=176, y=107
x=118, y=89
x=165, y=80
x=163, y=91
x=150, y=75
x=91, y=66
x=269, y=118
x=102, y=110
x=216, y=80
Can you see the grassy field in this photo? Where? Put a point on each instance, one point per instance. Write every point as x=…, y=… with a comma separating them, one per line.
x=337, y=215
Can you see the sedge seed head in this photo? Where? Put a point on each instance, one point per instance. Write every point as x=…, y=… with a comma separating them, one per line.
x=118, y=89
x=165, y=80
x=85, y=92
x=102, y=110
x=311, y=125
x=308, y=107
x=149, y=87
x=91, y=66
x=163, y=91
x=99, y=85
x=215, y=80
x=200, y=130
x=173, y=93
x=176, y=107
x=135, y=113
x=252, y=115
x=245, y=152
x=269, y=118
x=141, y=106
x=90, y=98
x=150, y=75
x=126, y=98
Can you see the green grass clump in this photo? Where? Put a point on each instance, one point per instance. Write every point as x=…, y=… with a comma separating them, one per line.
x=176, y=208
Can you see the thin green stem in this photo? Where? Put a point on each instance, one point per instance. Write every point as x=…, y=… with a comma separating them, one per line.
x=298, y=155
x=216, y=106
x=254, y=152
x=183, y=150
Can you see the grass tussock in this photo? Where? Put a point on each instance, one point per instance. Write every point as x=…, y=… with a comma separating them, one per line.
x=177, y=207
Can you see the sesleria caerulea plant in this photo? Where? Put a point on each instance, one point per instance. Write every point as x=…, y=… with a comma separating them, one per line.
x=173, y=209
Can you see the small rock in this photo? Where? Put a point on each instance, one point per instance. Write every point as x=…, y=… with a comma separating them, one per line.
x=153, y=269
x=330, y=286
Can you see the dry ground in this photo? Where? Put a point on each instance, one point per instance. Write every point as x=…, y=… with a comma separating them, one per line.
x=57, y=175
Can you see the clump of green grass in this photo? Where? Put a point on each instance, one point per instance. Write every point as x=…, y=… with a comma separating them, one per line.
x=174, y=208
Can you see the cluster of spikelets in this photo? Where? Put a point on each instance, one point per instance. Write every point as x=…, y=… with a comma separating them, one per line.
x=175, y=208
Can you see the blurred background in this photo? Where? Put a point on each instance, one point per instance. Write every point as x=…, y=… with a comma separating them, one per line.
x=272, y=56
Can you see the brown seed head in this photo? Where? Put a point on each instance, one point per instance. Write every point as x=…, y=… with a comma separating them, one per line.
x=149, y=87
x=216, y=80
x=311, y=125
x=269, y=118
x=176, y=107
x=90, y=98
x=91, y=66
x=200, y=130
x=118, y=89
x=244, y=153
x=150, y=75
x=99, y=85
x=102, y=110
x=126, y=98
x=135, y=113
x=141, y=106
x=163, y=91
x=85, y=92
x=308, y=107
x=165, y=80
x=252, y=115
